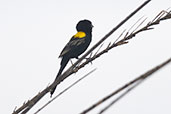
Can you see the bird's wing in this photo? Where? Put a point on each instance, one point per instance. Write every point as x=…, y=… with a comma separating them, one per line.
x=72, y=44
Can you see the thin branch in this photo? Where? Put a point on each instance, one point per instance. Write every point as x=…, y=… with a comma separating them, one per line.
x=64, y=91
x=136, y=23
x=118, y=38
x=98, y=49
x=139, y=25
x=26, y=107
x=143, y=76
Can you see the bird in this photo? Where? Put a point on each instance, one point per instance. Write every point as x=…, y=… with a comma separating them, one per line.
x=76, y=45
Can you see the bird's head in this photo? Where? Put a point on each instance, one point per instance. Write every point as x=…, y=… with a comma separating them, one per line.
x=84, y=25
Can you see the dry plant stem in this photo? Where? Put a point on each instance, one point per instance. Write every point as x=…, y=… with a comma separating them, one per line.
x=135, y=23
x=64, y=91
x=143, y=76
x=27, y=106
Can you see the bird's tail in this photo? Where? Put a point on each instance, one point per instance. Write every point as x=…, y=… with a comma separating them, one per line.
x=64, y=62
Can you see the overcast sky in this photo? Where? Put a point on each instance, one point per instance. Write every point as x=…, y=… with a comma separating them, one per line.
x=33, y=33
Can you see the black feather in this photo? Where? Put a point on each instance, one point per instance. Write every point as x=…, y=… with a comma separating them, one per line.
x=64, y=62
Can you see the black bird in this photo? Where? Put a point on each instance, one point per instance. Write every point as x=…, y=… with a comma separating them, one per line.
x=76, y=46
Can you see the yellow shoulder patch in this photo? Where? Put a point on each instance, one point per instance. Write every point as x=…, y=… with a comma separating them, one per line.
x=80, y=35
